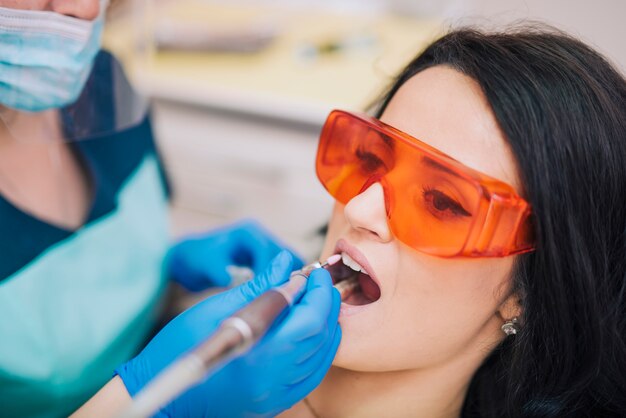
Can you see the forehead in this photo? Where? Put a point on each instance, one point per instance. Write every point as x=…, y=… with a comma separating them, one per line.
x=447, y=110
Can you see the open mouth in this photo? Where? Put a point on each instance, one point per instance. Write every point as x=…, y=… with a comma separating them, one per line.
x=353, y=282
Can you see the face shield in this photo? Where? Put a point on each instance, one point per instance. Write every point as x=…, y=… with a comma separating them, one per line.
x=54, y=83
x=108, y=104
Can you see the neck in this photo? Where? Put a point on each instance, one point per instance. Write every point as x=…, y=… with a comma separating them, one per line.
x=437, y=391
x=27, y=127
x=38, y=172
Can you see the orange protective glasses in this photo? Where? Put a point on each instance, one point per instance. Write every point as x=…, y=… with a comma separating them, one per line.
x=434, y=203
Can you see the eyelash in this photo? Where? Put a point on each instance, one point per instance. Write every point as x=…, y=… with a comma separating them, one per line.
x=451, y=208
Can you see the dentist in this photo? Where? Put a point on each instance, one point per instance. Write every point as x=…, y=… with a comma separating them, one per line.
x=85, y=255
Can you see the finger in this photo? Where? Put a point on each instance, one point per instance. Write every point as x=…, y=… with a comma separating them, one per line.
x=298, y=261
x=289, y=352
x=189, y=267
x=301, y=369
x=311, y=345
x=298, y=391
x=305, y=328
x=277, y=273
x=214, y=275
x=263, y=246
x=251, y=248
x=263, y=254
x=319, y=278
x=298, y=385
x=308, y=317
x=296, y=341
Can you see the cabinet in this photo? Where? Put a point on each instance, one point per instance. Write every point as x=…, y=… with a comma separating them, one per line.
x=225, y=166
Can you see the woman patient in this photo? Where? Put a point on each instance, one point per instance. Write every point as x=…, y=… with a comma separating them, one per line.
x=486, y=214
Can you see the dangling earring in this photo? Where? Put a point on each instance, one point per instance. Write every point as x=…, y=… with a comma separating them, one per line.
x=510, y=327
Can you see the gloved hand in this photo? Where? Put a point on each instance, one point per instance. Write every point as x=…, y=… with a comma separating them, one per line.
x=282, y=369
x=202, y=261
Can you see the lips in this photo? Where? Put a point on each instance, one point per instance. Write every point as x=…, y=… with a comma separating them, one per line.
x=355, y=266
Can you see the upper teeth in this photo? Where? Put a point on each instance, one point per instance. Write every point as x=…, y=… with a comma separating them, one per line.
x=348, y=261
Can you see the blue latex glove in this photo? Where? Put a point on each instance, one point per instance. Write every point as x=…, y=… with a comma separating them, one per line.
x=278, y=372
x=201, y=262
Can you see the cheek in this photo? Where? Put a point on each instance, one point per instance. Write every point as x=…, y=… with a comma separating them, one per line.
x=336, y=225
x=437, y=311
x=447, y=306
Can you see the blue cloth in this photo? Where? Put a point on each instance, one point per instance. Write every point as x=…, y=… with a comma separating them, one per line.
x=76, y=304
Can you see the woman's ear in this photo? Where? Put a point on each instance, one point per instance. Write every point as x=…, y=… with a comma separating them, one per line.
x=511, y=307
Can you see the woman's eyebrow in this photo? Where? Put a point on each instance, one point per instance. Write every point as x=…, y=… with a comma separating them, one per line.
x=388, y=141
x=436, y=165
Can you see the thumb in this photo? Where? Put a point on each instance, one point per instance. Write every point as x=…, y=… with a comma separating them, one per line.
x=277, y=273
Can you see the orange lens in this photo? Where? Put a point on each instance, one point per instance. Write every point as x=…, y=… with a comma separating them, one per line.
x=434, y=203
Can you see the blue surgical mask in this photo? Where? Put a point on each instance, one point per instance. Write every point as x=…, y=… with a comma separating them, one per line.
x=45, y=57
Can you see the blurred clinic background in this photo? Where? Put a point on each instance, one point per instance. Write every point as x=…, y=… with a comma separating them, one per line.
x=240, y=89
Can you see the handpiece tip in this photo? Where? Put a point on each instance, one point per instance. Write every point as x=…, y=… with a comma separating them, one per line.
x=333, y=259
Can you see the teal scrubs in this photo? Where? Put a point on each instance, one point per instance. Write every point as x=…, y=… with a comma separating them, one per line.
x=76, y=304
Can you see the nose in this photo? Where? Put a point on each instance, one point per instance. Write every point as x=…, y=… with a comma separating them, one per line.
x=366, y=213
x=81, y=9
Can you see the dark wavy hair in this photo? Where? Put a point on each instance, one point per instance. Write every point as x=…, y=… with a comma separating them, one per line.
x=562, y=108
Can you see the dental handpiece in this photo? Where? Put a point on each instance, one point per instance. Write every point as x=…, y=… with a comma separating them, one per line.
x=233, y=338
x=347, y=287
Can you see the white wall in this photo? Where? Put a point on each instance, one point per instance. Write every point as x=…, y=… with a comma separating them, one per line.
x=600, y=23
